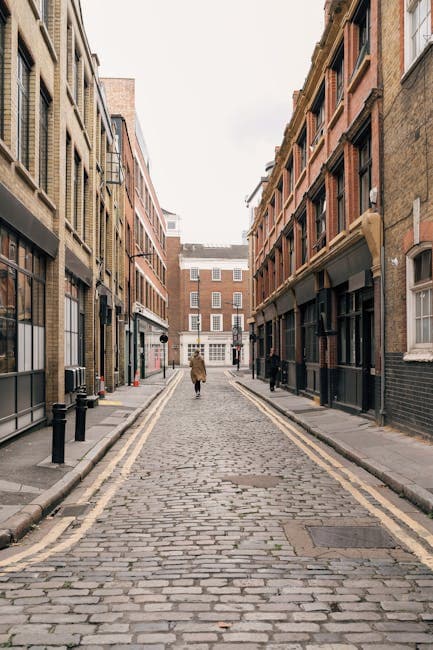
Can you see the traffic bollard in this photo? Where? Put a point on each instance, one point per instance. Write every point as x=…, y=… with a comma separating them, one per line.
x=59, y=423
x=173, y=365
x=80, y=417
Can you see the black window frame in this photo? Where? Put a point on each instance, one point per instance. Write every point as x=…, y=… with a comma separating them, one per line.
x=363, y=145
x=290, y=336
x=289, y=170
x=302, y=144
x=338, y=68
x=361, y=19
x=24, y=64
x=44, y=142
x=340, y=197
x=319, y=202
x=304, y=237
x=318, y=110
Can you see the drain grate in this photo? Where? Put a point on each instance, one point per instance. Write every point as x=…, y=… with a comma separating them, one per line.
x=350, y=537
x=254, y=480
x=73, y=510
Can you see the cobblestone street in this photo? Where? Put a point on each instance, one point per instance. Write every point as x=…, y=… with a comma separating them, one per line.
x=205, y=546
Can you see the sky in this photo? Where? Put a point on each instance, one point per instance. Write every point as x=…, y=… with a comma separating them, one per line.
x=214, y=85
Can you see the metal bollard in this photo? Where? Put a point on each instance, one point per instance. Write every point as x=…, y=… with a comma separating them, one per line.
x=80, y=417
x=59, y=423
x=173, y=364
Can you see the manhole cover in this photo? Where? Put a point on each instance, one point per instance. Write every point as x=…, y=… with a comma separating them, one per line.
x=350, y=537
x=254, y=480
x=73, y=510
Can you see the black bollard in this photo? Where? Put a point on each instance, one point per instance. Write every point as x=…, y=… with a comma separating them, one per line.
x=59, y=423
x=80, y=417
x=173, y=364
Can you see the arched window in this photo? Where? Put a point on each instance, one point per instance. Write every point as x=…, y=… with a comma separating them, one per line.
x=420, y=302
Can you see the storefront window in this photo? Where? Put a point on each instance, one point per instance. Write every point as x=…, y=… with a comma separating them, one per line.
x=309, y=325
x=349, y=328
x=290, y=336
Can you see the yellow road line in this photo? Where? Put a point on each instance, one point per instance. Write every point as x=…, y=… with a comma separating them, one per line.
x=306, y=445
x=141, y=437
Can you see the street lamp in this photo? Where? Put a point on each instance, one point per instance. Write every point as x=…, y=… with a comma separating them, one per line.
x=131, y=257
x=238, y=329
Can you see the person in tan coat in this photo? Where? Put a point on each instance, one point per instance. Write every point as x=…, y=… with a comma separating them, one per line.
x=198, y=371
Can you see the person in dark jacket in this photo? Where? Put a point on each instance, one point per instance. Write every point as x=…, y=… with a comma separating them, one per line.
x=274, y=366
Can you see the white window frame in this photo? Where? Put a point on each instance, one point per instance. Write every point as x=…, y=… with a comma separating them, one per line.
x=194, y=274
x=220, y=321
x=237, y=302
x=425, y=38
x=217, y=347
x=193, y=299
x=216, y=299
x=416, y=351
x=237, y=275
x=190, y=321
x=216, y=275
x=241, y=320
x=195, y=346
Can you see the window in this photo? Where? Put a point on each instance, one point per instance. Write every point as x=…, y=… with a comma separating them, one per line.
x=194, y=322
x=85, y=203
x=364, y=170
x=71, y=322
x=2, y=71
x=171, y=225
x=289, y=176
x=217, y=352
x=23, y=108
x=309, y=337
x=341, y=209
x=45, y=11
x=349, y=328
x=192, y=347
x=193, y=274
x=193, y=299
x=362, y=20
x=420, y=299
x=291, y=252
x=76, y=77
x=77, y=179
x=216, y=323
x=216, y=274
x=338, y=69
x=44, y=110
x=318, y=110
x=237, y=299
x=303, y=233
x=216, y=299
x=290, y=336
x=238, y=321
x=320, y=219
x=68, y=180
x=237, y=275
x=302, y=144
x=418, y=28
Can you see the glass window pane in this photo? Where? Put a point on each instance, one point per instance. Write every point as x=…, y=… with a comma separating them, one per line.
x=418, y=304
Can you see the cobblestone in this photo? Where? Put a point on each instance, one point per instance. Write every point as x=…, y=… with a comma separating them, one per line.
x=185, y=558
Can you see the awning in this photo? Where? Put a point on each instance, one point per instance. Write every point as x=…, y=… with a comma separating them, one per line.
x=75, y=266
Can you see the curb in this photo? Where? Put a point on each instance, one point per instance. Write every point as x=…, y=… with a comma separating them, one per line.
x=15, y=527
x=398, y=483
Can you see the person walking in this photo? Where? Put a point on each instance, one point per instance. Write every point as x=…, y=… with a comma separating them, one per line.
x=274, y=366
x=198, y=371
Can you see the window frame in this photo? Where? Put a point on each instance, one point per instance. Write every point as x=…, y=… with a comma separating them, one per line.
x=302, y=149
x=216, y=274
x=362, y=20
x=410, y=55
x=337, y=67
x=24, y=68
x=318, y=110
x=340, y=197
x=194, y=299
x=364, y=169
x=190, y=321
x=44, y=142
x=236, y=272
x=216, y=299
x=320, y=205
x=238, y=321
x=417, y=351
x=219, y=317
x=219, y=348
x=194, y=277
x=234, y=300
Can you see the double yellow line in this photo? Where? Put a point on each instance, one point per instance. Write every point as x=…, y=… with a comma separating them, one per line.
x=39, y=552
x=352, y=483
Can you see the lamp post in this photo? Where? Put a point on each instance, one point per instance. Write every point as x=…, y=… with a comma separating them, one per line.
x=238, y=331
x=131, y=257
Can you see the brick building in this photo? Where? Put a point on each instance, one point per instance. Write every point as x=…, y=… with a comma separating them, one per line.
x=408, y=212
x=60, y=228
x=210, y=301
x=146, y=267
x=316, y=232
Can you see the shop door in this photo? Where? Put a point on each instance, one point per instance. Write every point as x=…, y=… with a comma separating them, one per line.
x=141, y=353
x=368, y=354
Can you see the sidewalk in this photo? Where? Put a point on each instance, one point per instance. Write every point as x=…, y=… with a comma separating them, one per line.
x=31, y=486
x=402, y=462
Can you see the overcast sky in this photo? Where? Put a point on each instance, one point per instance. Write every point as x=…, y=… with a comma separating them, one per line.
x=214, y=84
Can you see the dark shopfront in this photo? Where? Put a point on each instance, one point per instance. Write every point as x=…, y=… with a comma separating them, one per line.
x=22, y=334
